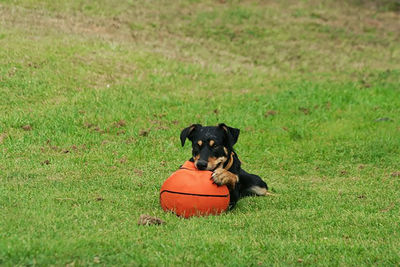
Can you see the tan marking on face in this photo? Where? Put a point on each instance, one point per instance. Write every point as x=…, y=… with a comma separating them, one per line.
x=213, y=162
x=200, y=143
x=196, y=158
x=226, y=151
x=212, y=142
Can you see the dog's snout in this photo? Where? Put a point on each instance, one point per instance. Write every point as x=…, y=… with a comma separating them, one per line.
x=201, y=164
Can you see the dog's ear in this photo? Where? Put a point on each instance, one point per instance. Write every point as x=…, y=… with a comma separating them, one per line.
x=188, y=133
x=231, y=133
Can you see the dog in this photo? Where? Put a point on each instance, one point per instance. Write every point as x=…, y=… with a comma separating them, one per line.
x=212, y=150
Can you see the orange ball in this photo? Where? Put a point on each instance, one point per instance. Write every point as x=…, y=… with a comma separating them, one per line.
x=191, y=192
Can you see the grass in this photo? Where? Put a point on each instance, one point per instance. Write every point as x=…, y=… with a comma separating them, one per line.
x=94, y=95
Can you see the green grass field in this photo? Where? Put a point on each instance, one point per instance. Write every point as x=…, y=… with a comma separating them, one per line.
x=94, y=94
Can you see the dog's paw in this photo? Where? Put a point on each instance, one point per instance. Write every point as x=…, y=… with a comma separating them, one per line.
x=222, y=176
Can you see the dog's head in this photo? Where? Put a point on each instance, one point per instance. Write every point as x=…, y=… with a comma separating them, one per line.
x=212, y=145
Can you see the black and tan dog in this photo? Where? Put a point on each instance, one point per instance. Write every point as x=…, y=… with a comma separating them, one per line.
x=213, y=151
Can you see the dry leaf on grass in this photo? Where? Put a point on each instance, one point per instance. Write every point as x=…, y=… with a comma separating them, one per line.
x=149, y=220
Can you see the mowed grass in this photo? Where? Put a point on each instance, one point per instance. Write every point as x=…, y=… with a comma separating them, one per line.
x=93, y=96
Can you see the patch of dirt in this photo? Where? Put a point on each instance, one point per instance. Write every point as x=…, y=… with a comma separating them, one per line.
x=144, y=133
x=249, y=128
x=151, y=32
x=306, y=111
x=121, y=132
x=391, y=206
x=138, y=172
x=119, y=124
x=88, y=125
x=55, y=148
x=162, y=127
x=46, y=162
x=160, y=115
x=270, y=113
x=2, y=137
x=328, y=105
x=65, y=199
x=130, y=140
x=98, y=129
x=94, y=127
x=123, y=160
x=26, y=127
x=395, y=174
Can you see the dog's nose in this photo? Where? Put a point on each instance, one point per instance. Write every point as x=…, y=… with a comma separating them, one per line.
x=201, y=164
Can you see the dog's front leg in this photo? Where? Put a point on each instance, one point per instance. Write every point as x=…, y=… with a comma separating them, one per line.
x=221, y=176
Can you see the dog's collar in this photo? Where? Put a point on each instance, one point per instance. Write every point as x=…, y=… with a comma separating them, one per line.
x=230, y=162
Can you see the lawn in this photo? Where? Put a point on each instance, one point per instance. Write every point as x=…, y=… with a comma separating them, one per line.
x=94, y=94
